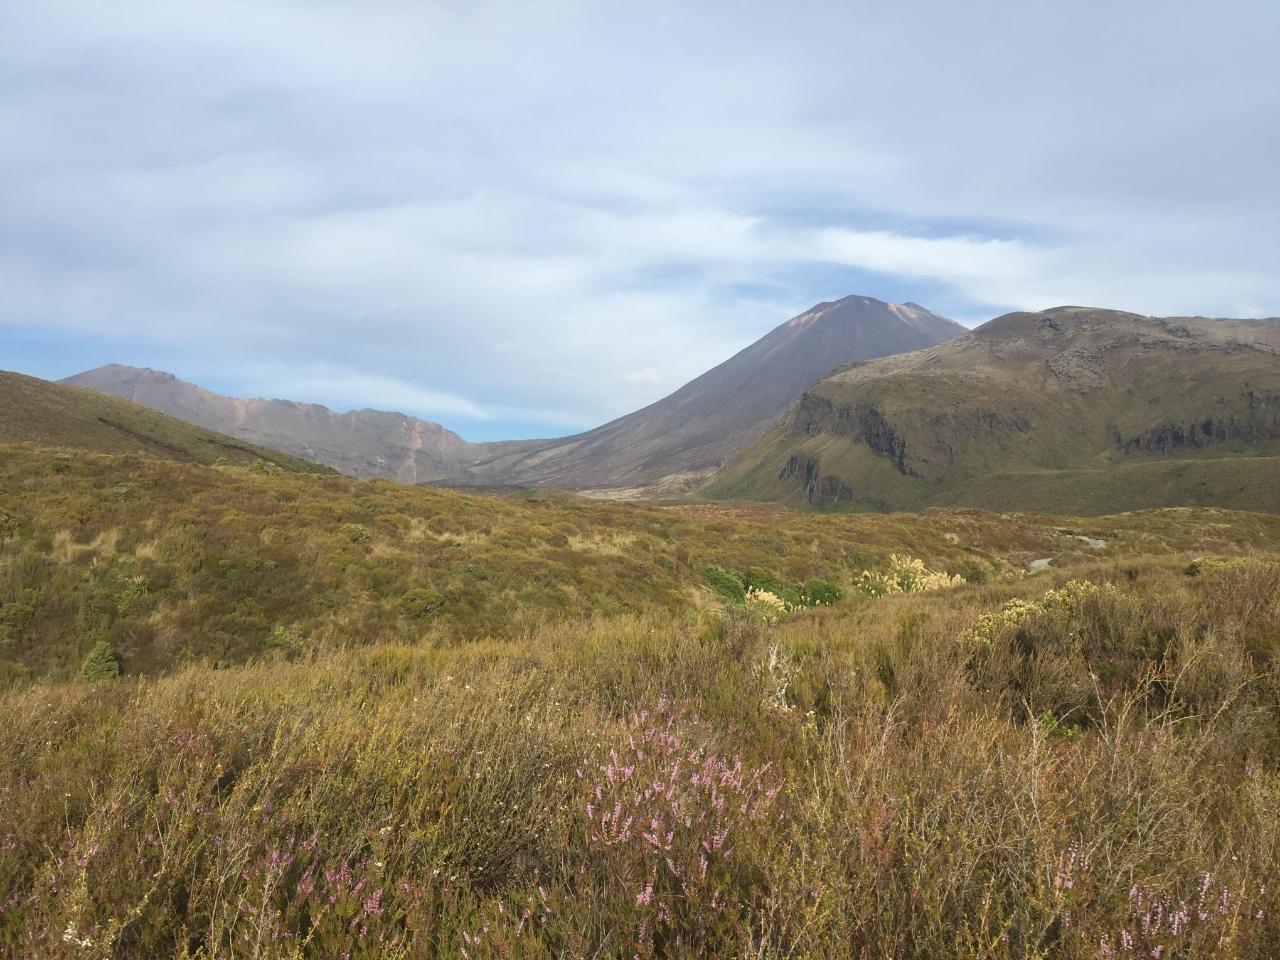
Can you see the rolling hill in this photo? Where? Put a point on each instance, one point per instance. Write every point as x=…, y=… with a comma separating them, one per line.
x=54, y=415
x=1072, y=410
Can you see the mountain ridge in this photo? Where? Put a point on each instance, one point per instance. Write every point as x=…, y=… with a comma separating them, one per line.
x=691, y=431
x=57, y=415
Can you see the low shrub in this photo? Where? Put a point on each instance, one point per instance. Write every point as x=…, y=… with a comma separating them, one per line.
x=821, y=593
x=100, y=664
x=1202, y=565
x=728, y=585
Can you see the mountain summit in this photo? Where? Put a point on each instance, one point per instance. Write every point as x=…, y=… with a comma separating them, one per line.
x=692, y=431
x=703, y=423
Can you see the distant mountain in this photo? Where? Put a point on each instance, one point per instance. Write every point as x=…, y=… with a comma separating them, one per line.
x=704, y=422
x=54, y=415
x=690, y=432
x=362, y=443
x=1072, y=410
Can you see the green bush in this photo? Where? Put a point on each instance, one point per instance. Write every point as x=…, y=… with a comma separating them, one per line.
x=421, y=603
x=8, y=525
x=16, y=615
x=728, y=585
x=100, y=664
x=134, y=598
x=821, y=593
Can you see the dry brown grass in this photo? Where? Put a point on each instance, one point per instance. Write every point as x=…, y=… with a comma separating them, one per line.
x=408, y=801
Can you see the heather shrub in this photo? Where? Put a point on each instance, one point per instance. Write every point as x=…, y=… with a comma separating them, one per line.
x=17, y=614
x=421, y=603
x=679, y=825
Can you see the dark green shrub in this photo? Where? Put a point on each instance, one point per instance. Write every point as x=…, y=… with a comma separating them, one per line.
x=100, y=664
x=819, y=592
x=16, y=615
x=728, y=585
x=134, y=598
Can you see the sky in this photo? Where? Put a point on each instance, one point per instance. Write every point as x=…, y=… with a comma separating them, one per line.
x=524, y=219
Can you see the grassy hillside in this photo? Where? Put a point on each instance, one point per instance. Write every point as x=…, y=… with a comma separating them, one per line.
x=53, y=415
x=1070, y=410
x=1093, y=765
x=170, y=563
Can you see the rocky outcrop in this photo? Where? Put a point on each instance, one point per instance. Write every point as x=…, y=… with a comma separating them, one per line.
x=1255, y=420
x=820, y=491
x=866, y=423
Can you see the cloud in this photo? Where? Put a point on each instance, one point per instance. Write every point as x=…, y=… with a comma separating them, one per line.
x=551, y=213
x=644, y=375
x=334, y=388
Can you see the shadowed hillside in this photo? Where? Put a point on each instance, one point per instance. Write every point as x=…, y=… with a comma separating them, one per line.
x=53, y=415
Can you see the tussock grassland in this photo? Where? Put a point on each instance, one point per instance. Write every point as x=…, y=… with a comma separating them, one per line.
x=171, y=563
x=1094, y=764
x=259, y=715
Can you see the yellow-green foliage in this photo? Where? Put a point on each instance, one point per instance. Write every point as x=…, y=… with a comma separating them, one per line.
x=1202, y=565
x=849, y=783
x=100, y=664
x=1018, y=610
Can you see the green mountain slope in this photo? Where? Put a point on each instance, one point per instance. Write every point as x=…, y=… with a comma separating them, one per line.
x=53, y=415
x=1072, y=410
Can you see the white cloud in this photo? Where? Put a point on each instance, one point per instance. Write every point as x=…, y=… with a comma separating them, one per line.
x=645, y=375
x=333, y=388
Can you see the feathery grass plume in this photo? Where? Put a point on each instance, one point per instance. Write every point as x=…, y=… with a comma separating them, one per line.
x=768, y=605
x=906, y=574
